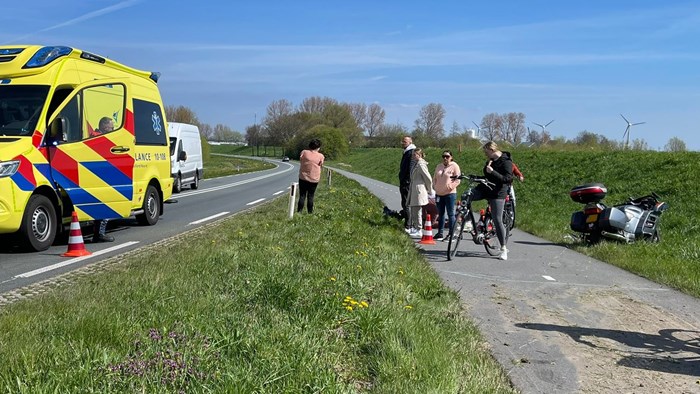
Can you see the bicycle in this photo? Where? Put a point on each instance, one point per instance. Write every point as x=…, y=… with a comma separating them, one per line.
x=482, y=232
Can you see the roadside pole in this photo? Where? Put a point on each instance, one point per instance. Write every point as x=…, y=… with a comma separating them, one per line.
x=292, y=198
x=329, y=177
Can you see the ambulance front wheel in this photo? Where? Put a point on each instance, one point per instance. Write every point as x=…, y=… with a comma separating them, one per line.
x=38, y=229
x=151, y=207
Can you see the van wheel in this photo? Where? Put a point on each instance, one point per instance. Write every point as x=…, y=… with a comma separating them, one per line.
x=151, y=207
x=195, y=184
x=177, y=186
x=38, y=229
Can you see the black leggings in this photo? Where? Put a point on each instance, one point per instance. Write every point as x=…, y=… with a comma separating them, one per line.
x=306, y=191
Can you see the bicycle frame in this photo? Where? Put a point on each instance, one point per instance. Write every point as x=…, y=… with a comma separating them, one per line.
x=483, y=234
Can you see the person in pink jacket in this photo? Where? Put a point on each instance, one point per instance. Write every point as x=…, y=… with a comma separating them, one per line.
x=311, y=161
x=446, y=192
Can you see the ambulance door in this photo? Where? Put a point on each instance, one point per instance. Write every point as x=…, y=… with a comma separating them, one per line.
x=91, y=152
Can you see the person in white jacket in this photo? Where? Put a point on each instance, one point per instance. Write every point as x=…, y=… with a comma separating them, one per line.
x=419, y=193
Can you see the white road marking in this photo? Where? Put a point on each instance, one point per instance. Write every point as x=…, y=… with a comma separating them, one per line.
x=216, y=188
x=256, y=201
x=549, y=278
x=75, y=260
x=279, y=192
x=209, y=218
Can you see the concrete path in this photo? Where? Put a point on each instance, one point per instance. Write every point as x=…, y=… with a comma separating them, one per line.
x=561, y=322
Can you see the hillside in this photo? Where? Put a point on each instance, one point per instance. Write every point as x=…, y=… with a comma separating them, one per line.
x=544, y=206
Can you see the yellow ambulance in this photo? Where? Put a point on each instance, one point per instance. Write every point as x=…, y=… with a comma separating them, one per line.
x=54, y=156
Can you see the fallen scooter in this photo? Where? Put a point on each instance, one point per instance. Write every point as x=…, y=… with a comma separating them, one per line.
x=635, y=219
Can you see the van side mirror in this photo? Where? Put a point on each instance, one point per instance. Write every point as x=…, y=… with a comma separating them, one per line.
x=182, y=156
x=58, y=129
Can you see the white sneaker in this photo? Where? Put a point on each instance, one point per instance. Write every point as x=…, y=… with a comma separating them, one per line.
x=504, y=253
x=415, y=233
x=468, y=227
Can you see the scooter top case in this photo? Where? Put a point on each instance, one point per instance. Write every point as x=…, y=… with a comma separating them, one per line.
x=589, y=192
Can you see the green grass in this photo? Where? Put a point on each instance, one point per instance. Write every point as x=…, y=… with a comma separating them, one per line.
x=260, y=151
x=335, y=302
x=218, y=165
x=544, y=206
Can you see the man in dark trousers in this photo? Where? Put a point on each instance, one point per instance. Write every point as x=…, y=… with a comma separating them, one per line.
x=405, y=175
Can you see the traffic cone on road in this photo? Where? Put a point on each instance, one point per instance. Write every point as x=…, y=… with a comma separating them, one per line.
x=427, y=232
x=76, y=246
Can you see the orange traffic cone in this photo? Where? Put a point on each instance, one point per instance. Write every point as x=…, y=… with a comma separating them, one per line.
x=427, y=232
x=76, y=246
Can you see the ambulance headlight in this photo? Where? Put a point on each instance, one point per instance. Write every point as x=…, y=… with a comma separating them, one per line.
x=46, y=55
x=8, y=168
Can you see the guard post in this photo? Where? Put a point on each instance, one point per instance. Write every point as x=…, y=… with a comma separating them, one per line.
x=329, y=177
x=292, y=198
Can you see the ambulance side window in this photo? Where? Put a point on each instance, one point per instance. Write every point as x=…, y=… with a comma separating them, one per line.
x=149, y=125
x=70, y=116
x=103, y=110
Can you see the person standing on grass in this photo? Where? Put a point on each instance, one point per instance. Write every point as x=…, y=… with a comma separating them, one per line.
x=499, y=170
x=420, y=191
x=405, y=176
x=311, y=161
x=446, y=192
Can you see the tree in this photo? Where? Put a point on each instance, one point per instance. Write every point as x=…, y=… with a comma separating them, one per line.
x=491, y=125
x=513, y=127
x=675, y=144
x=181, y=114
x=253, y=135
x=276, y=130
x=430, y=121
x=359, y=112
x=388, y=136
x=455, y=129
x=374, y=119
x=316, y=104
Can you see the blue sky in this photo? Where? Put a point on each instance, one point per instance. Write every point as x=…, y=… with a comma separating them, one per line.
x=580, y=64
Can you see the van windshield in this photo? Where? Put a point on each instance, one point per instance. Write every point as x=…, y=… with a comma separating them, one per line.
x=173, y=141
x=20, y=106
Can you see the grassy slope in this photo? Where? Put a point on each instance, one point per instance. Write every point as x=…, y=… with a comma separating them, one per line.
x=544, y=206
x=335, y=302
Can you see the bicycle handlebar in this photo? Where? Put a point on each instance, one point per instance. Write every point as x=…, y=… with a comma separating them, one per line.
x=475, y=179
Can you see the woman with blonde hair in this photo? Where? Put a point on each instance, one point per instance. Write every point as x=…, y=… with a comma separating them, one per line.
x=420, y=191
x=498, y=170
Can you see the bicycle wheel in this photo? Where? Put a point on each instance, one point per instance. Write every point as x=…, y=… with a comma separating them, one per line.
x=491, y=244
x=455, y=236
x=509, y=216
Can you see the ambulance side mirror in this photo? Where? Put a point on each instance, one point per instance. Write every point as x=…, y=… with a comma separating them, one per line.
x=58, y=129
x=182, y=156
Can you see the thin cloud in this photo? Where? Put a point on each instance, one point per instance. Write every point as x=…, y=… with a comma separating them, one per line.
x=83, y=18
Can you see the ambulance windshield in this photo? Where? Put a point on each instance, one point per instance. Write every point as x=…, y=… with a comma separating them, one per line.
x=20, y=107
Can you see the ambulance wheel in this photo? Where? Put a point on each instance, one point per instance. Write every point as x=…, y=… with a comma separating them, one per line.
x=177, y=186
x=195, y=184
x=38, y=229
x=151, y=207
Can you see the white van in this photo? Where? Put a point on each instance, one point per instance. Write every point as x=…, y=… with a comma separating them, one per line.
x=185, y=155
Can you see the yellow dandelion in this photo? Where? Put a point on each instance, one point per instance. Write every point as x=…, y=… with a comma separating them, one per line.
x=332, y=278
x=364, y=304
x=353, y=302
x=408, y=307
x=401, y=272
x=349, y=308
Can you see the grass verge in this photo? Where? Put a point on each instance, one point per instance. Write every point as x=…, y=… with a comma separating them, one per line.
x=335, y=302
x=544, y=206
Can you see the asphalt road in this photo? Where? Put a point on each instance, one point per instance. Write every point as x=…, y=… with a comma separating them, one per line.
x=215, y=199
x=561, y=322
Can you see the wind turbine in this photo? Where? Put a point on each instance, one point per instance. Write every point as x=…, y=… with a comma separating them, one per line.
x=627, y=130
x=478, y=128
x=544, y=127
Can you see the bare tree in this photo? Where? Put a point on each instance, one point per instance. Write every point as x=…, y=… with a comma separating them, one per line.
x=358, y=111
x=513, y=127
x=675, y=144
x=181, y=114
x=491, y=127
x=430, y=121
x=206, y=130
x=374, y=119
x=316, y=104
x=253, y=135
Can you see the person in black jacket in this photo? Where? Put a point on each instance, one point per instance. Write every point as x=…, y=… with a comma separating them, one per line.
x=405, y=175
x=499, y=170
